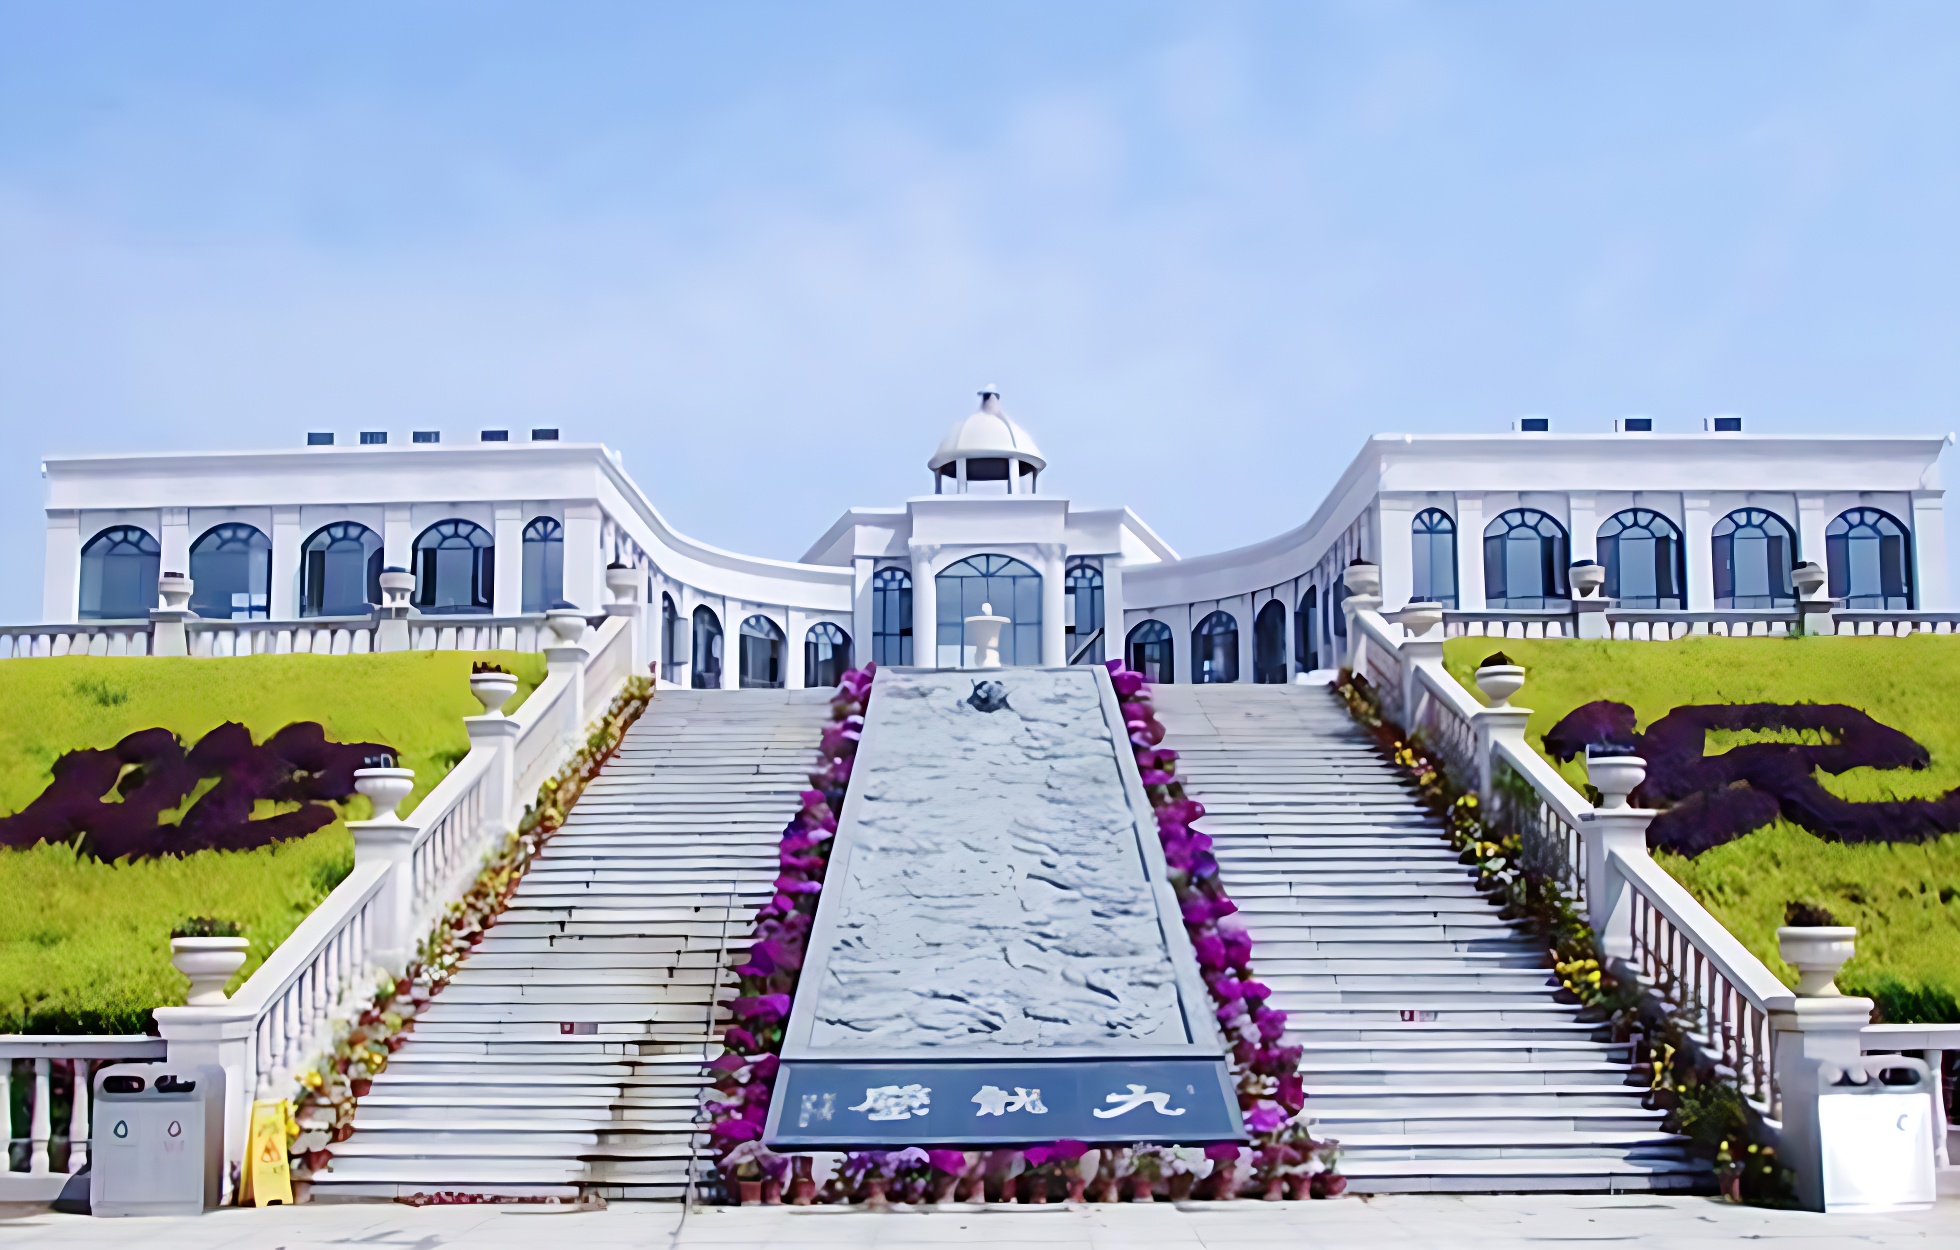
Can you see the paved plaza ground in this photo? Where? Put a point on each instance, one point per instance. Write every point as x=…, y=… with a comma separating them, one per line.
x=1388, y=1223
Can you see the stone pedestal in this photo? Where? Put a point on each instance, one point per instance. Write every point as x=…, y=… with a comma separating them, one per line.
x=1589, y=617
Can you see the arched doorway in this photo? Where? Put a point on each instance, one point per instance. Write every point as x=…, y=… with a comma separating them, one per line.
x=231, y=573
x=1524, y=560
x=891, y=617
x=1012, y=588
x=1151, y=652
x=1082, y=610
x=1870, y=560
x=1269, y=645
x=1215, y=649
x=762, y=654
x=340, y=571
x=455, y=567
x=119, y=574
x=826, y=655
x=707, y=649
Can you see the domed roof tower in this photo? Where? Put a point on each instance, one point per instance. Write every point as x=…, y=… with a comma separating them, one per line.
x=984, y=447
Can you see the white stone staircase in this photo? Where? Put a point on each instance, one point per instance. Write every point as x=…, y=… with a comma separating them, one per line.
x=1436, y=1049
x=565, y=1057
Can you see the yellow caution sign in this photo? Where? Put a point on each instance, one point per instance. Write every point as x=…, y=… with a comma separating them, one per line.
x=268, y=1174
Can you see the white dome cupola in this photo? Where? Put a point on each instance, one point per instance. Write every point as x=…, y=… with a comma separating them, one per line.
x=986, y=453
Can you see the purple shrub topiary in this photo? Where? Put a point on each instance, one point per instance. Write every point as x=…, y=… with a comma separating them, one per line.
x=1713, y=799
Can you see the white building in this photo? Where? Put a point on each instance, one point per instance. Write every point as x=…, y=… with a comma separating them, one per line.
x=1689, y=529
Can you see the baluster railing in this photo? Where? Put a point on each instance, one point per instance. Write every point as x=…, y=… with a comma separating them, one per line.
x=34, y=1166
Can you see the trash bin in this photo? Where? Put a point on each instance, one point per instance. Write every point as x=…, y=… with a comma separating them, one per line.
x=158, y=1144
x=1878, y=1139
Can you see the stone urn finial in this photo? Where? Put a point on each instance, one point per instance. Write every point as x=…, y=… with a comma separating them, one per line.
x=1816, y=947
x=209, y=963
x=493, y=688
x=1615, y=774
x=1808, y=578
x=566, y=623
x=1420, y=618
x=983, y=635
x=1362, y=578
x=1499, y=679
x=623, y=581
x=1587, y=577
x=175, y=591
x=385, y=786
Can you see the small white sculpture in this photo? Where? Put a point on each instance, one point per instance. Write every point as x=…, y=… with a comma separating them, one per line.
x=983, y=635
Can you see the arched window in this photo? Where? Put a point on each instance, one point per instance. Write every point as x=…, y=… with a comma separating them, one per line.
x=1215, y=649
x=231, y=573
x=826, y=655
x=544, y=564
x=1754, y=552
x=1433, y=541
x=1014, y=591
x=1082, y=610
x=1870, y=560
x=762, y=654
x=1151, y=652
x=707, y=649
x=1641, y=550
x=670, y=628
x=455, y=561
x=1524, y=560
x=1336, y=614
x=891, y=617
x=119, y=574
x=340, y=571
x=1306, y=628
x=1269, y=645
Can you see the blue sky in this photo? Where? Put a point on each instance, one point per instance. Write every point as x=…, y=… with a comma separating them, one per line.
x=769, y=250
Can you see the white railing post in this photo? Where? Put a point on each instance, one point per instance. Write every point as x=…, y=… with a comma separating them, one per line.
x=569, y=658
x=1494, y=725
x=78, y=1115
x=391, y=843
x=224, y=1036
x=1609, y=895
x=1364, y=587
x=1817, y=1037
x=168, y=636
x=497, y=734
x=625, y=584
x=391, y=618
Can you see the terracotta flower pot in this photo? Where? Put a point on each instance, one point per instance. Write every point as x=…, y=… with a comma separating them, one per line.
x=802, y=1191
x=1076, y=1186
x=1180, y=1186
x=362, y=1085
x=772, y=1192
x=874, y=1192
x=1140, y=1189
x=1302, y=1187
x=973, y=1189
x=1036, y=1188
x=1275, y=1189
x=751, y=1192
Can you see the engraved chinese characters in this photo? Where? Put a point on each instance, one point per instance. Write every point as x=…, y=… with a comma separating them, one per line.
x=895, y=1102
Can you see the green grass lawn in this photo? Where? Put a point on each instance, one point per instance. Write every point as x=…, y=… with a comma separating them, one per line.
x=1905, y=898
x=84, y=946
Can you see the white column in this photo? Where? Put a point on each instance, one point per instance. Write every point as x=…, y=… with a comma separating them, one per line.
x=1582, y=520
x=1397, y=556
x=1241, y=609
x=78, y=1115
x=584, y=559
x=732, y=615
x=1813, y=517
x=795, y=626
x=1181, y=618
x=398, y=538
x=391, y=935
x=1469, y=552
x=861, y=609
x=286, y=539
x=1929, y=550
x=61, y=575
x=1698, y=536
x=175, y=540
x=1054, y=630
x=1814, y=1038
x=1113, y=632
x=925, y=605
x=507, y=590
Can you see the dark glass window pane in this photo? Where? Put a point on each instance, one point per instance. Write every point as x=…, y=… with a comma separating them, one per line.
x=1014, y=591
x=120, y=567
x=1433, y=548
x=544, y=564
x=340, y=571
x=826, y=655
x=1870, y=560
x=1269, y=644
x=1641, y=552
x=1151, y=652
x=762, y=654
x=1753, y=552
x=1082, y=614
x=707, y=649
x=1215, y=649
x=231, y=573
x=1524, y=560
x=455, y=562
